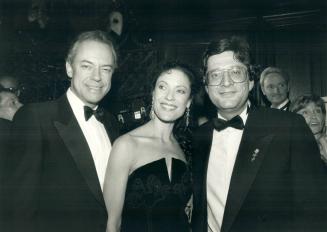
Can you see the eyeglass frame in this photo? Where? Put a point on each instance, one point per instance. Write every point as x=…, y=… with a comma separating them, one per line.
x=13, y=90
x=206, y=79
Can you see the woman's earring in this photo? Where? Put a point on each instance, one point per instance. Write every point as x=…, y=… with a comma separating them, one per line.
x=151, y=111
x=187, y=115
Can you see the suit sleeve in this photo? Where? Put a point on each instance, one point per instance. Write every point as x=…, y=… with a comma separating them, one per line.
x=24, y=169
x=309, y=179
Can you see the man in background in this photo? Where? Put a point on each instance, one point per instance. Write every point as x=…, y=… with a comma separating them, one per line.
x=9, y=104
x=275, y=87
x=10, y=84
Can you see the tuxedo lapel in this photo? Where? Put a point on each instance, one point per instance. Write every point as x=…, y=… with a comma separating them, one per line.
x=202, y=145
x=254, y=143
x=111, y=127
x=72, y=135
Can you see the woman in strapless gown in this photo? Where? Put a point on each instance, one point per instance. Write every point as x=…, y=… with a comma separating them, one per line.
x=148, y=183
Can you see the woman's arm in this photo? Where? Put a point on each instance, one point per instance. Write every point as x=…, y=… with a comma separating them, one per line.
x=116, y=180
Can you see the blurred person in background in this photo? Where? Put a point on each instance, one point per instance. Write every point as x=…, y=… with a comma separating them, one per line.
x=275, y=87
x=10, y=84
x=9, y=104
x=312, y=108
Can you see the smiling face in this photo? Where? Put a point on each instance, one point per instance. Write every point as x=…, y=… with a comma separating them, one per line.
x=91, y=71
x=171, y=95
x=230, y=98
x=275, y=88
x=314, y=117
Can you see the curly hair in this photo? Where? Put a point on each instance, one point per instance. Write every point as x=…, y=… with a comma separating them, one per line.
x=184, y=68
x=302, y=101
x=182, y=131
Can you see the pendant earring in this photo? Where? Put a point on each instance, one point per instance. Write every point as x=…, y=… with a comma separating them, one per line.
x=187, y=115
x=152, y=111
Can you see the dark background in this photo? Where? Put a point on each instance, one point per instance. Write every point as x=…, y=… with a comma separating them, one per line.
x=35, y=35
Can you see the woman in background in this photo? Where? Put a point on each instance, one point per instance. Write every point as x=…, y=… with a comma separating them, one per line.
x=148, y=184
x=312, y=108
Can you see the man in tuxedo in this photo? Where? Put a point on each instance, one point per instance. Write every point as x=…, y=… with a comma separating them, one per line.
x=9, y=104
x=57, y=169
x=253, y=169
x=274, y=83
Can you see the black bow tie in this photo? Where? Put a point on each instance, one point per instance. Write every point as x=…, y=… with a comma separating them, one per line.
x=98, y=113
x=221, y=124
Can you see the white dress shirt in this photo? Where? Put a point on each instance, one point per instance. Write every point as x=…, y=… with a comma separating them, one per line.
x=284, y=103
x=95, y=134
x=222, y=158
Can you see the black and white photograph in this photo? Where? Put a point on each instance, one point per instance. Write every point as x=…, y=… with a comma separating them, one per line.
x=163, y=115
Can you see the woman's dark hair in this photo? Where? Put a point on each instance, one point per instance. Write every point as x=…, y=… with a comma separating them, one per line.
x=181, y=131
x=302, y=101
x=185, y=68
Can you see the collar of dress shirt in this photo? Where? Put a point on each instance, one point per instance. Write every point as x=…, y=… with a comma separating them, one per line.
x=243, y=115
x=283, y=104
x=76, y=103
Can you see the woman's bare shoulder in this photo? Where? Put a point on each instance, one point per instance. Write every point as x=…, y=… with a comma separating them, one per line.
x=140, y=133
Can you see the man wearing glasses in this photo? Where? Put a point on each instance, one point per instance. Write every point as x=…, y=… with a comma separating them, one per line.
x=253, y=170
x=10, y=84
x=9, y=104
x=9, y=101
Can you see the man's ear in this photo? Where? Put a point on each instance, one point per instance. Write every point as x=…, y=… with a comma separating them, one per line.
x=189, y=102
x=206, y=88
x=262, y=90
x=69, y=70
x=251, y=84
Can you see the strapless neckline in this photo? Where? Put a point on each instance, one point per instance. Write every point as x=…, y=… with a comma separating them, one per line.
x=153, y=202
x=161, y=161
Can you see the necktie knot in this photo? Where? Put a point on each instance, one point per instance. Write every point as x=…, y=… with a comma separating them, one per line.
x=235, y=122
x=98, y=113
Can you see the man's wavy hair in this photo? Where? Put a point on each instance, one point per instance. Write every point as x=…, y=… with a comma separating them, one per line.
x=98, y=36
x=236, y=44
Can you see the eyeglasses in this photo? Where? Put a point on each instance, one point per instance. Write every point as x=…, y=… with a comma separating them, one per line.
x=13, y=90
x=237, y=74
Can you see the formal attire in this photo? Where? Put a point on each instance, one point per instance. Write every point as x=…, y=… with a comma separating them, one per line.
x=58, y=166
x=267, y=177
x=5, y=126
x=154, y=202
x=285, y=105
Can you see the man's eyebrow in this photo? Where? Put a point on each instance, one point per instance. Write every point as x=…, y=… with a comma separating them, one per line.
x=86, y=61
x=107, y=65
x=90, y=62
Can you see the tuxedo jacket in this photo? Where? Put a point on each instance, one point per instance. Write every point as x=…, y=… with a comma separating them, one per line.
x=52, y=181
x=286, y=107
x=277, y=183
x=5, y=126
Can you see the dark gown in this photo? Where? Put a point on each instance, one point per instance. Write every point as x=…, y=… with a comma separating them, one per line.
x=153, y=202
